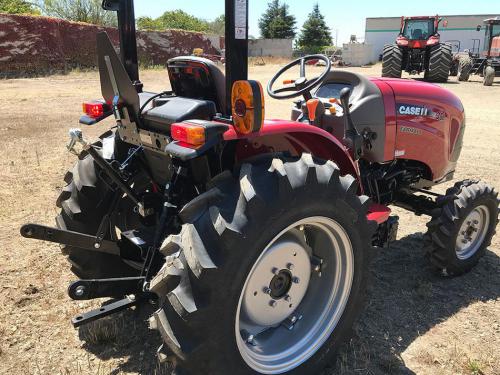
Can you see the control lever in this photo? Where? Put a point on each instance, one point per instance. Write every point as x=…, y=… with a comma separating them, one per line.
x=352, y=138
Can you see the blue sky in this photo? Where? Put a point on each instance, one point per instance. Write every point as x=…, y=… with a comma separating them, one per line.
x=346, y=16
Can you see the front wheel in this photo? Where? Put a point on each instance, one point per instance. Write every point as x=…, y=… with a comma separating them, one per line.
x=462, y=228
x=272, y=267
x=464, y=68
x=489, y=76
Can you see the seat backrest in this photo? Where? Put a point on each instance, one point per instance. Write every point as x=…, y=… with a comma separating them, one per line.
x=417, y=34
x=198, y=78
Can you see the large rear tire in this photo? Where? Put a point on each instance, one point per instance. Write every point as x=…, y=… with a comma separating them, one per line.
x=392, y=61
x=244, y=262
x=438, y=68
x=84, y=201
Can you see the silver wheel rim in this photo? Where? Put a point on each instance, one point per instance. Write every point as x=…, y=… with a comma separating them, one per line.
x=472, y=232
x=277, y=332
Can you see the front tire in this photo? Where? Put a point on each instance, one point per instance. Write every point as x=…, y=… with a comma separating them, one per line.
x=463, y=227
x=489, y=76
x=464, y=68
x=207, y=321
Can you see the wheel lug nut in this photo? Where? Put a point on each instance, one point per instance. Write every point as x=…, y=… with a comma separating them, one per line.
x=290, y=266
x=275, y=270
x=288, y=298
x=468, y=223
x=476, y=222
x=296, y=280
x=464, y=241
x=273, y=303
x=267, y=290
x=462, y=233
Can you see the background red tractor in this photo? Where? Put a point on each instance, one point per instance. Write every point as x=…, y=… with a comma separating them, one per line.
x=418, y=49
x=485, y=63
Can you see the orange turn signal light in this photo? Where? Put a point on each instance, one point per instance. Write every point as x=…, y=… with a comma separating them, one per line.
x=288, y=81
x=188, y=134
x=333, y=100
x=247, y=100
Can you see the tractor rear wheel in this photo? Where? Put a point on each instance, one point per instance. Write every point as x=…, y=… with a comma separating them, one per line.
x=392, y=61
x=439, y=65
x=464, y=68
x=84, y=202
x=489, y=76
x=272, y=269
x=462, y=229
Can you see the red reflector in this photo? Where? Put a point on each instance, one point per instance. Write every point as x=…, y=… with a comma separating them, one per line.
x=189, y=135
x=95, y=109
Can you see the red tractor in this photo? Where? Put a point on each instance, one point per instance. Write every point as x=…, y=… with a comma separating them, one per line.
x=417, y=49
x=486, y=63
x=252, y=237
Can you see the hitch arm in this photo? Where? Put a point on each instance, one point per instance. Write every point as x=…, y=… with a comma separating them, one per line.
x=101, y=288
x=70, y=238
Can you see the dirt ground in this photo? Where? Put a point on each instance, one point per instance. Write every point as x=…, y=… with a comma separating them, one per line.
x=415, y=321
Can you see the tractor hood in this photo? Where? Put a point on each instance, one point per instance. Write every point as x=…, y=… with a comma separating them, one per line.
x=430, y=123
x=424, y=93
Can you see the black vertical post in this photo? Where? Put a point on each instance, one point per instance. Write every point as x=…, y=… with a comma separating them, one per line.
x=128, y=42
x=236, y=43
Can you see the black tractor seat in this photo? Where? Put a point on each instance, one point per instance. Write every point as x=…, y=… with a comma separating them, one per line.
x=167, y=111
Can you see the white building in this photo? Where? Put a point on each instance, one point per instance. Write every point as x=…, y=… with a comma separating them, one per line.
x=460, y=28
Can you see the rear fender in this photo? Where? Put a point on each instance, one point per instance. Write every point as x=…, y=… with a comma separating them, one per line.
x=293, y=138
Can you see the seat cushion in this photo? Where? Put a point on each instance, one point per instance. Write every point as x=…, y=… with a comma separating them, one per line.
x=177, y=109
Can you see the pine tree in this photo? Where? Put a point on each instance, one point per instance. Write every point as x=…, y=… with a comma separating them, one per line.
x=277, y=22
x=315, y=34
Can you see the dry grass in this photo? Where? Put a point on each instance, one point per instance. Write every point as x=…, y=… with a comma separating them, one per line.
x=414, y=322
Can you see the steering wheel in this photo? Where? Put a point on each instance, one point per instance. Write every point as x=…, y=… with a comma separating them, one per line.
x=301, y=86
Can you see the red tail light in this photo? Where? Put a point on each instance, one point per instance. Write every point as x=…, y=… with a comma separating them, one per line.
x=95, y=109
x=188, y=134
x=401, y=41
x=432, y=40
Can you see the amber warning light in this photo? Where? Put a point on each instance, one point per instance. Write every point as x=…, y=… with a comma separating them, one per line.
x=247, y=102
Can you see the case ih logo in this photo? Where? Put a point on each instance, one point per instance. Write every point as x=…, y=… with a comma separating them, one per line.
x=405, y=109
x=413, y=110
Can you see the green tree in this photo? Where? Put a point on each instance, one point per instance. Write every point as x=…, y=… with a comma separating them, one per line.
x=17, y=7
x=89, y=11
x=148, y=23
x=218, y=26
x=175, y=19
x=315, y=34
x=277, y=22
x=178, y=19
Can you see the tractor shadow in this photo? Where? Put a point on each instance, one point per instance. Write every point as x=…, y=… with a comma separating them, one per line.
x=126, y=338
x=406, y=299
